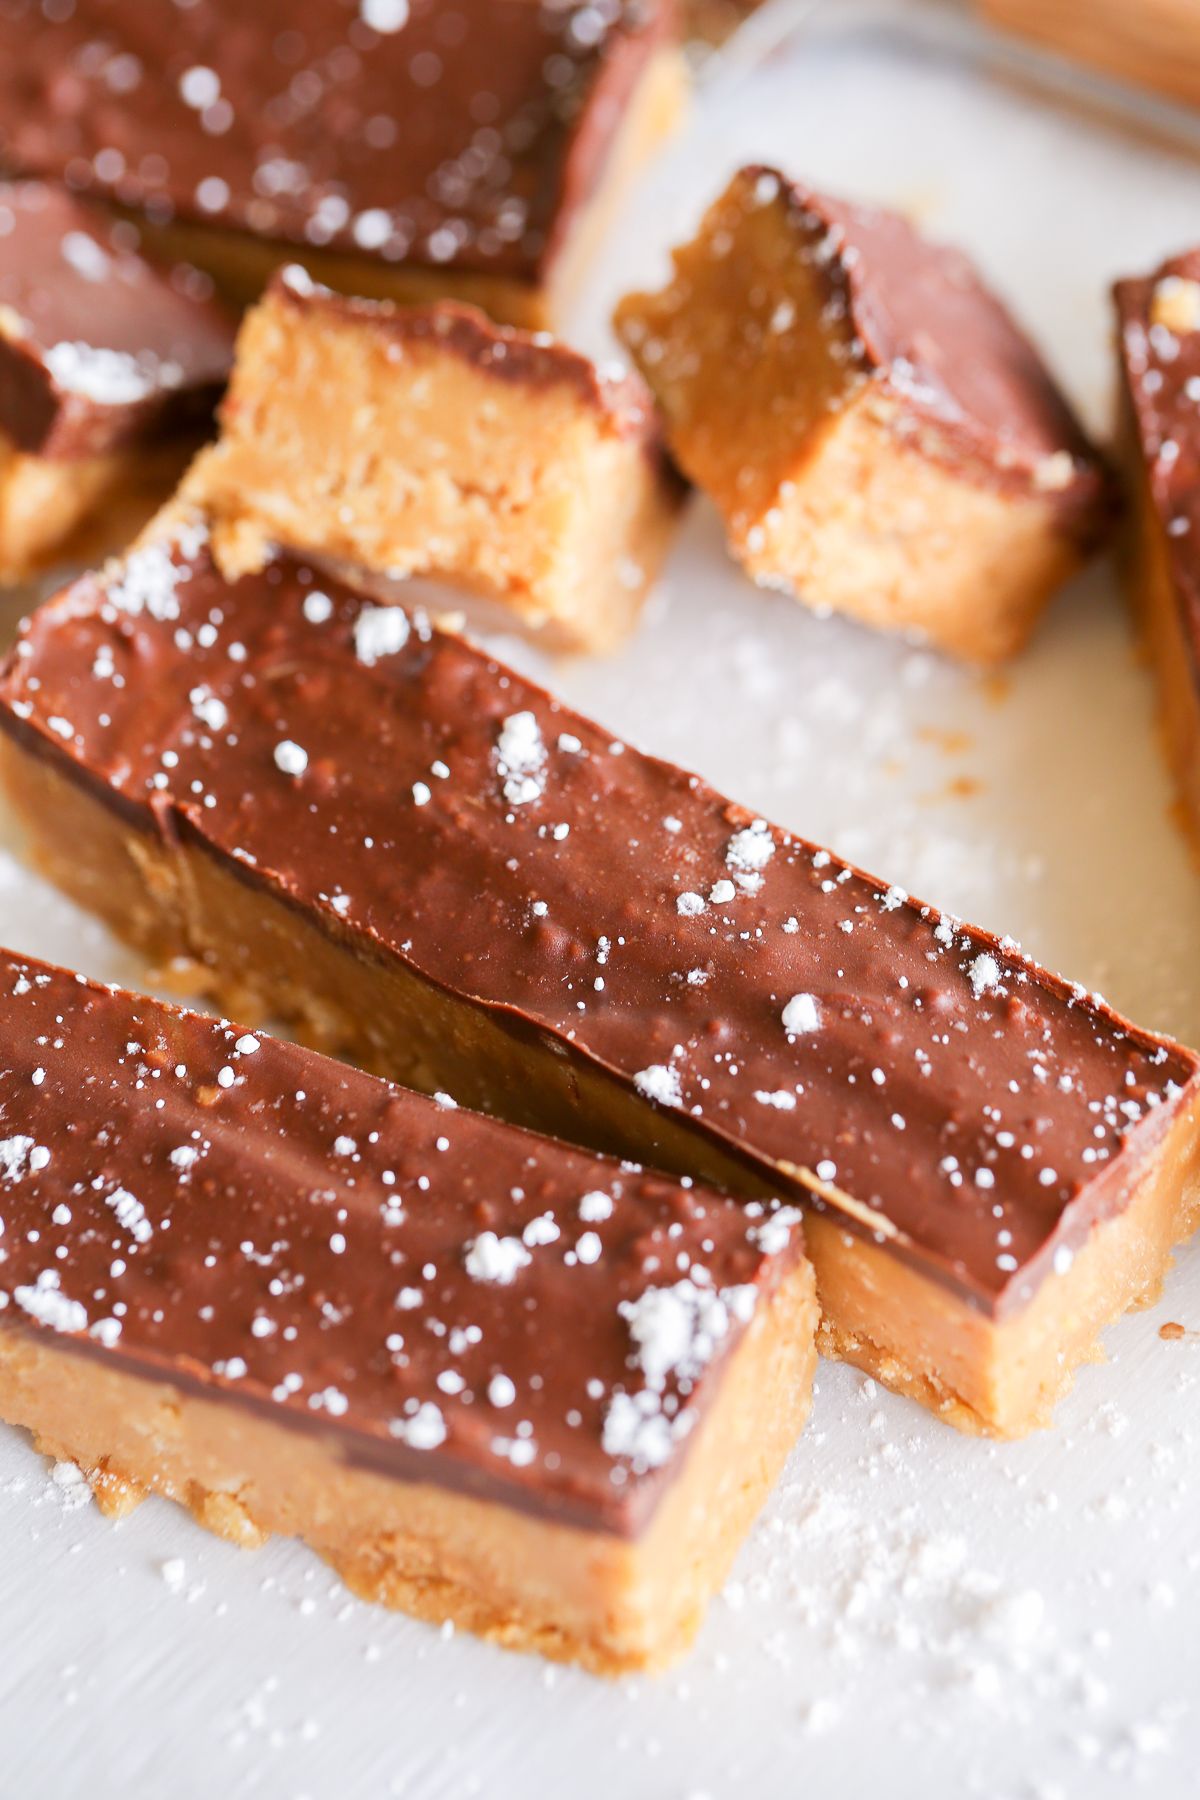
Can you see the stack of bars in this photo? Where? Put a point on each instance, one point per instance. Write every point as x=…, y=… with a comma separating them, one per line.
x=524, y=1342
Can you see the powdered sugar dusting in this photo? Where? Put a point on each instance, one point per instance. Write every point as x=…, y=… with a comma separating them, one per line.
x=521, y=759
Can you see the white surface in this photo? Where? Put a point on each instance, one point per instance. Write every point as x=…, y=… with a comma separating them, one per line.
x=937, y=1616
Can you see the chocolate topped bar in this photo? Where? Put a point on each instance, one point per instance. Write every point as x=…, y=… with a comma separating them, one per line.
x=759, y=1006
x=913, y=318
x=877, y=433
x=98, y=347
x=445, y=1298
x=462, y=136
x=427, y=440
x=1159, y=321
x=923, y=320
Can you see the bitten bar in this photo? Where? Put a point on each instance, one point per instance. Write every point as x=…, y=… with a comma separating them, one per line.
x=401, y=148
x=878, y=435
x=1158, y=318
x=366, y=826
x=109, y=369
x=489, y=1378
x=427, y=440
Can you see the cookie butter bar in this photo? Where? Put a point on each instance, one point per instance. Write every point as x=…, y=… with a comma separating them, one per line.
x=109, y=367
x=878, y=435
x=366, y=826
x=406, y=148
x=427, y=440
x=1159, y=322
x=489, y=1378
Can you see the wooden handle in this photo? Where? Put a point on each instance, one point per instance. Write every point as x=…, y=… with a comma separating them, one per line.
x=1153, y=43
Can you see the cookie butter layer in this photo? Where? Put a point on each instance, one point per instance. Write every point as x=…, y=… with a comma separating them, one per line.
x=355, y=1300
x=426, y=440
x=465, y=149
x=1159, y=322
x=878, y=433
x=109, y=367
x=426, y=862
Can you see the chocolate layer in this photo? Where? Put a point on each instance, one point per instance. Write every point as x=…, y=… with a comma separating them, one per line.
x=945, y=345
x=1159, y=320
x=444, y=132
x=445, y=1298
x=422, y=804
x=97, y=346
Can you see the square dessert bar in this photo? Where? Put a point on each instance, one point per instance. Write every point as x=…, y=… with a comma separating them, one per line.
x=109, y=368
x=489, y=1378
x=1158, y=319
x=366, y=826
x=426, y=440
x=404, y=148
x=878, y=435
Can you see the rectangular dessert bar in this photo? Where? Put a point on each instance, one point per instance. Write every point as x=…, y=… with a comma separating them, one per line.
x=428, y=441
x=879, y=436
x=1158, y=319
x=489, y=1378
x=109, y=368
x=401, y=148
x=368, y=827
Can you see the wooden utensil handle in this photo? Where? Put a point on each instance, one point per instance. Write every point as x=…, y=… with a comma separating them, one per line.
x=1153, y=43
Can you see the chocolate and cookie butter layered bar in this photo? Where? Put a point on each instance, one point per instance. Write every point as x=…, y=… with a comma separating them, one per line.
x=367, y=826
x=429, y=441
x=1158, y=319
x=879, y=436
x=491, y=1379
x=109, y=369
x=405, y=148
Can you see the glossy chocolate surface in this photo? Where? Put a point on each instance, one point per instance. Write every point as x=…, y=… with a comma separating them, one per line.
x=924, y=321
x=1159, y=321
x=445, y=132
x=975, y=1113
x=97, y=346
x=439, y=1295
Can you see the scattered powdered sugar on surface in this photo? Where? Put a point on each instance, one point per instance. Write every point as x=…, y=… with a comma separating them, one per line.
x=147, y=579
x=676, y=1332
x=492, y=1258
x=748, y=853
x=290, y=758
x=521, y=759
x=109, y=377
x=422, y=1429
x=130, y=1215
x=380, y=631
x=20, y=1156
x=985, y=974
x=44, y=1301
x=660, y=1082
x=801, y=1015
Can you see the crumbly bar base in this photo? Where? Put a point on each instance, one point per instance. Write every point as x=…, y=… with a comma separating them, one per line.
x=259, y=958
x=53, y=508
x=242, y=264
x=404, y=456
x=867, y=525
x=1003, y=1377
x=525, y=1582
x=827, y=488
